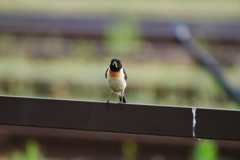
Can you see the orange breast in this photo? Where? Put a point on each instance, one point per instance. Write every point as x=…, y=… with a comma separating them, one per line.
x=114, y=74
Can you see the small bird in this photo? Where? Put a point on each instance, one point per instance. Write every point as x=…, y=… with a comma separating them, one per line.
x=116, y=79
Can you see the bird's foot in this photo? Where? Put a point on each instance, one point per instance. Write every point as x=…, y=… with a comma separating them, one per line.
x=120, y=105
x=107, y=105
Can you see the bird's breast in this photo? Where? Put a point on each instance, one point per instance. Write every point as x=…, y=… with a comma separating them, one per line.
x=114, y=74
x=116, y=81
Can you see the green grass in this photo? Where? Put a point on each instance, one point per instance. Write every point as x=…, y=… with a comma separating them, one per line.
x=213, y=9
x=205, y=149
x=77, y=71
x=148, y=82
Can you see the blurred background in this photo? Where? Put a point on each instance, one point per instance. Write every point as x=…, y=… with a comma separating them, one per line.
x=61, y=49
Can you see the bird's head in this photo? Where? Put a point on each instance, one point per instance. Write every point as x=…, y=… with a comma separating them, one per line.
x=115, y=65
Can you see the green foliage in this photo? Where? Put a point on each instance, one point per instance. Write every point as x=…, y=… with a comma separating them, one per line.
x=129, y=150
x=123, y=37
x=205, y=150
x=31, y=152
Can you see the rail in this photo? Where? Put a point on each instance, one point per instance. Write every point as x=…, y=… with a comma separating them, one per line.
x=131, y=118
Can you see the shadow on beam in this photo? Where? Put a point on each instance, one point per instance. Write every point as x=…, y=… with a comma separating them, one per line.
x=131, y=118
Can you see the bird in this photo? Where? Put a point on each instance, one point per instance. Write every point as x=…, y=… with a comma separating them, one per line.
x=116, y=78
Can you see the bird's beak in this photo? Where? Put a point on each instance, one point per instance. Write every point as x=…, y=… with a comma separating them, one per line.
x=115, y=64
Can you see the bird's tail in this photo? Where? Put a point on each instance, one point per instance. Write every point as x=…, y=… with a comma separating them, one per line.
x=122, y=100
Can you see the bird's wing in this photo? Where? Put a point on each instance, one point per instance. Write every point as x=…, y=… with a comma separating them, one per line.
x=125, y=74
x=106, y=73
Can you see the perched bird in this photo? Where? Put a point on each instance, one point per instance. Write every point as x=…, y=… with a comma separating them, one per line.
x=116, y=79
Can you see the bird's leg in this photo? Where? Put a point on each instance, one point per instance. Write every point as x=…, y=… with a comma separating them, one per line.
x=108, y=101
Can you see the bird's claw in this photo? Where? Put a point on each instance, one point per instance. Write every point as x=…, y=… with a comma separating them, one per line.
x=107, y=105
x=120, y=105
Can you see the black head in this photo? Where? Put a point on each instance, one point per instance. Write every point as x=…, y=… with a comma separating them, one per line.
x=115, y=65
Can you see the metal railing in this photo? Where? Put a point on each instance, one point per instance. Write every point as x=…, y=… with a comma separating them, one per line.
x=131, y=118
